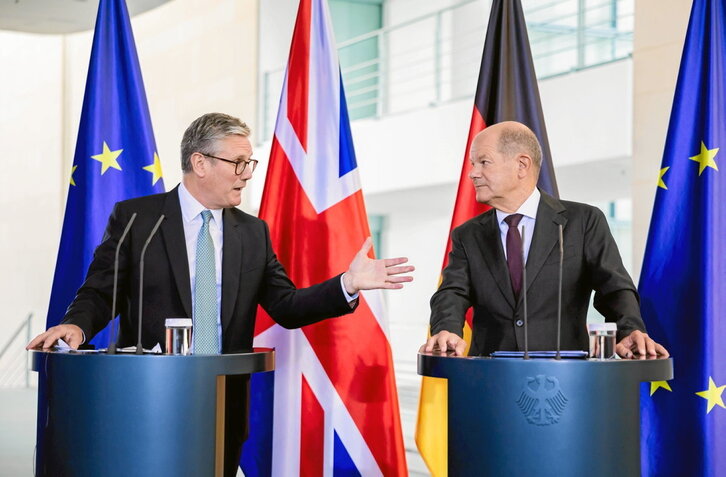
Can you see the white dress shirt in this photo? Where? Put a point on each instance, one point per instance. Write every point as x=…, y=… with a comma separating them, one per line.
x=529, y=211
x=191, y=211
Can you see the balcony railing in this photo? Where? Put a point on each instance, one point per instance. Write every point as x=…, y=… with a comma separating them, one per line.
x=14, y=368
x=435, y=58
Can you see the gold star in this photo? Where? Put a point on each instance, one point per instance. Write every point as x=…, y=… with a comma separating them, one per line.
x=155, y=169
x=705, y=158
x=108, y=158
x=713, y=394
x=655, y=385
x=660, y=179
x=72, y=171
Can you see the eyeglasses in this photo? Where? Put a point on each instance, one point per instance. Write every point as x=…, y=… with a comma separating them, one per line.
x=239, y=166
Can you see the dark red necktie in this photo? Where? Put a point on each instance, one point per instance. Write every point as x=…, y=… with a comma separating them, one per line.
x=514, y=252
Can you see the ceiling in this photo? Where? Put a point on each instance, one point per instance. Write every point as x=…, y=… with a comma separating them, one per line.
x=59, y=16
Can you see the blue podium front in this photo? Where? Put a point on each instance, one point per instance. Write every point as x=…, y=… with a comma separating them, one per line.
x=543, y=417
x=128, y=415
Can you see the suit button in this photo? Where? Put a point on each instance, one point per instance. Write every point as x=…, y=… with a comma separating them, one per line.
x=519, y=323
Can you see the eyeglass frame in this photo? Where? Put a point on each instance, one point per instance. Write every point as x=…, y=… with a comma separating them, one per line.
x=249, y=161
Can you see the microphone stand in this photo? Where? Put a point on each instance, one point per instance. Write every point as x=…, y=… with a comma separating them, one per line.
x=524, y=298
x=559, y=297
x=113, y=341
x=139, y=347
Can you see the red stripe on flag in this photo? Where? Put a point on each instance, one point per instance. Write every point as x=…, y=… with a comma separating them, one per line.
x=466, y=206
x=298, y=73
x=369, y=393
x=312, y=438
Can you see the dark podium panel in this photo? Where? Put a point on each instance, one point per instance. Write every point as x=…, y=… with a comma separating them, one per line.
x=542, y=417
x=128, y=415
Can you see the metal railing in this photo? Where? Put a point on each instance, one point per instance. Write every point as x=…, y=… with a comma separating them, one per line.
x=14, y=368
x=434, y=59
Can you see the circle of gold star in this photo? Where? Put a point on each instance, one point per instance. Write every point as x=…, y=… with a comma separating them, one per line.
x=713, y=395
x=73, y=182
x=661, y=183
x=155, y=169
x=705, y=158
x=108, y=158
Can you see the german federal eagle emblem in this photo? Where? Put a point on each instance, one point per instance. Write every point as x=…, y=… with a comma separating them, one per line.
x=541, y=400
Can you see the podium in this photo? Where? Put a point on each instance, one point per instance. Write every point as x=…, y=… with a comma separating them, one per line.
x=126, y=414
x=543, y=417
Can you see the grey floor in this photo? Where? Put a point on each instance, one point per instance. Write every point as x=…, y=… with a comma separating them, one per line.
x=17, y=431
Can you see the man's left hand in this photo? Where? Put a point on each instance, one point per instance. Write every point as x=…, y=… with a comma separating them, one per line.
x=366, y=273
x=640, y=343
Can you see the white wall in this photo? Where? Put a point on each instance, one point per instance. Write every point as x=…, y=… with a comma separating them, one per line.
x=657, y=48
x=32, y=141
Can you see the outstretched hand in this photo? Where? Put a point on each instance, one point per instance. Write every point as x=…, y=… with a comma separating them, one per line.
x=365, y=273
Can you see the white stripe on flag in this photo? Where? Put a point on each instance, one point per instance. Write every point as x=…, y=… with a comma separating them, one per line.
x=294, y=357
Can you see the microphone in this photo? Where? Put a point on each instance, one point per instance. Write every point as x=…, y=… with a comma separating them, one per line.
x=139, y=347
x=559, y=297
x=524, y=298
x=113, y=341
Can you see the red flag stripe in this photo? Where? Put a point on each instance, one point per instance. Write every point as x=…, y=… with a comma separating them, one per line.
x=466, y=205
x=312, y=420
x=299, y=69
x=370, y=394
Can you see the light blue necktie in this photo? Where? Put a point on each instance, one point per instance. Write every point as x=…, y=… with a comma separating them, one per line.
x=206, y=340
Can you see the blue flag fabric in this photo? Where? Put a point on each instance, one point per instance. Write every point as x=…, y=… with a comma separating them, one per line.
x=115, y=156
x=683, y=281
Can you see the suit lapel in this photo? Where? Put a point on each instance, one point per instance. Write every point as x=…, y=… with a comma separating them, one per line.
x=172, y=229
x=546, y=234
x=490, y=244
x=231, y=264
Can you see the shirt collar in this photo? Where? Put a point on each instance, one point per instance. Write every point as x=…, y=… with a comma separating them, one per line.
x=191, y=208
x=528, y=208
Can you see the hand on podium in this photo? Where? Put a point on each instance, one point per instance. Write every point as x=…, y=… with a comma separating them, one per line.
x=640, y=343
x=71, y=334
x=444, y=341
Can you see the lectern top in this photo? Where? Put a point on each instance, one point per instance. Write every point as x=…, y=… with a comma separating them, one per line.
x=260, y=360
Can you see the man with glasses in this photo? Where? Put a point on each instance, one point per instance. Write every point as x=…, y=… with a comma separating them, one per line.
x=210, y=261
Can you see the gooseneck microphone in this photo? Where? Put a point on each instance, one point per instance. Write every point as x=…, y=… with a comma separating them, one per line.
x=113, y=341
x=139, y=347
x=524, y=298
x=559, y=296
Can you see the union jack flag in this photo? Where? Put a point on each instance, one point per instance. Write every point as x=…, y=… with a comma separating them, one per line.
x=330, y=407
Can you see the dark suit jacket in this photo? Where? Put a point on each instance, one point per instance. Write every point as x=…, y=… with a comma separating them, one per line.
x=251, y=275
x=477, y=276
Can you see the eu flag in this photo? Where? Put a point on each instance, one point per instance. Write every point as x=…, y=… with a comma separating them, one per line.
x=683, y=282
x=115, y=156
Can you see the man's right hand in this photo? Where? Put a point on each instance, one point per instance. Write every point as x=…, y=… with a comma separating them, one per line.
x=444, y=341
x=71, y=334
